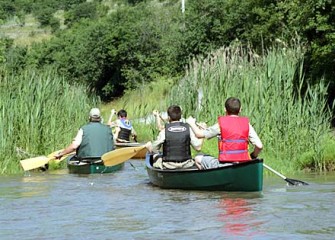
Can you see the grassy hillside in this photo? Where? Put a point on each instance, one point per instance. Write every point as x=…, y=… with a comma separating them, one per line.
x=24, y=33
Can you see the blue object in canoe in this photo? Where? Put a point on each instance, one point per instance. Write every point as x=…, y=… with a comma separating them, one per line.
x=245, y=177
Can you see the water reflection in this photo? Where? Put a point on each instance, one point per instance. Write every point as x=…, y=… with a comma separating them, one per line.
x=123, y=205
x=238, y=216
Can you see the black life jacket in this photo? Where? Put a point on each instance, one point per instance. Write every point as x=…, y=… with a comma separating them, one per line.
x=176, y=147
x=125, y=129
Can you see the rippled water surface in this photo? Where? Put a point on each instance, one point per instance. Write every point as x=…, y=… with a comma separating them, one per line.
x=124, y=205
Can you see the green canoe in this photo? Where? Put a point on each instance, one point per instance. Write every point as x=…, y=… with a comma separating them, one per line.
x=244, y=177
x=92, y=165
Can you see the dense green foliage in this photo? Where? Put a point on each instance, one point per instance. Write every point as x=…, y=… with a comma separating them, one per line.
x=42, y=9
x=211, y=24
x=121, y=51
x=39, y=113
x=116, y=45
x=289, y=123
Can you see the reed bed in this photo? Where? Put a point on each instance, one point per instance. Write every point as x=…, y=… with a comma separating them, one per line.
x=140, y=104
x=289, y=115
x=39, y=114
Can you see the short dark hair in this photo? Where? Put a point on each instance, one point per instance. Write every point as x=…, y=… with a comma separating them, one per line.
x=174, y=112
x=122, y=113
x=233, y=105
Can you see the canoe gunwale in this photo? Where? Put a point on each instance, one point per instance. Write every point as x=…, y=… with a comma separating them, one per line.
x=240, y=177
x=235, y=165
x=90, y=167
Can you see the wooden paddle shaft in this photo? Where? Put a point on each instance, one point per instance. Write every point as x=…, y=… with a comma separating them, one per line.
x=274, y=171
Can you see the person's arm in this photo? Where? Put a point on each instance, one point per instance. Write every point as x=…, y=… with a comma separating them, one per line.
x=116, y=133
x=148, y=145
x=110, y=123
x=196, y=142
x=255, y=140
x=73, y=146
x=158, y=118
x=133, y=134
x=197, y=131
x=156, y=145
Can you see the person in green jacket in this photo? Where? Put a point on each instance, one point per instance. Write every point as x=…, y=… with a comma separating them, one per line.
x=92, y=140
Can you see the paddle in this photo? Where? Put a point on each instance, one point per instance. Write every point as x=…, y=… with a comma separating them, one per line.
x=40, y=161
x=289, y=180
x=120, y=155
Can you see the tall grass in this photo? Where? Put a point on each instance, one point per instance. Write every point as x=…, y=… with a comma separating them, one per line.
x=139, y=105
x=289, y=115
x=39, y=113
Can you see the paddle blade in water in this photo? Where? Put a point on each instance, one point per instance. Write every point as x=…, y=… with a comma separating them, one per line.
x=290, y=181
x=295, y=182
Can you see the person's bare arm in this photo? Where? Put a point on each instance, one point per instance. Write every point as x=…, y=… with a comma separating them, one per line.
x=73, y=146
x=69, y=149
x=199, y=145
x=158, y=118
x=197, y=131
x=255, y=140
x=110, y=123
x=116, y=133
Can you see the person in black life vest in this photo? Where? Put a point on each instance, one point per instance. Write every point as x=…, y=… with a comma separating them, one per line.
x=234, y=133
x=123, y=127
x=92, y=140
x=175, y=139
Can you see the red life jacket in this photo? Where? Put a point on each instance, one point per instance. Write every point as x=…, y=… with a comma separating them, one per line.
x=233, y=142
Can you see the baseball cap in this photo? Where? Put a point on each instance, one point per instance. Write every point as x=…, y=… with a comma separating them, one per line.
x=95, y=113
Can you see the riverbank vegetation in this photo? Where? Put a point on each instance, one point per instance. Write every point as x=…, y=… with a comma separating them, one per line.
x=290, y=115
x=40, y=113
x=144, y=55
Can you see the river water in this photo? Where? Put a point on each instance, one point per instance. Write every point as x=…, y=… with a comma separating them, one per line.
x=124, y=205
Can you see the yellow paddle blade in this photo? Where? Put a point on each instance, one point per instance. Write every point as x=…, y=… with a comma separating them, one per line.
x=120, y=155
x=35, y=162
x=139, y=155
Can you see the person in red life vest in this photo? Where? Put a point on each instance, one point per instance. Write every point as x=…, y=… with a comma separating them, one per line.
x=234, y=133
x=175, y=138
x=123, y=127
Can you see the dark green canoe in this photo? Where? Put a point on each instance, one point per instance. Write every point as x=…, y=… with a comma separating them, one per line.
x=92, y=165
x=244, y=177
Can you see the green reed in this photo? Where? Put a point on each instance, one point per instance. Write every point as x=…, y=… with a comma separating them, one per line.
x=289, y=115
x=39, y=114
x=140, y=104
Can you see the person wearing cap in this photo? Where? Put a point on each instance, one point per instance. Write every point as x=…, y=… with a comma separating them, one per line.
x=123, y=127
x=92, y=140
